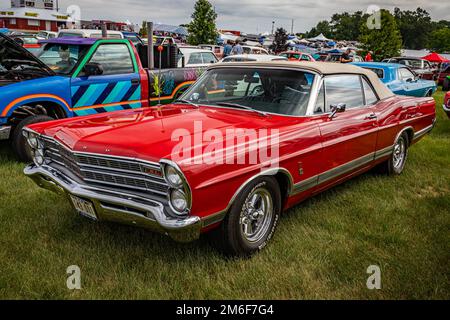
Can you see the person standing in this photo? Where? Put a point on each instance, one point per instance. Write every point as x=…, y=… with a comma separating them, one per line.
x=237, y=49
x=346, y=58
x=227, y=49
x=368, y=57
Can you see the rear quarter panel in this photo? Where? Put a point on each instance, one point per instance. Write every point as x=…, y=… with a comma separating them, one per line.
x=400, y=113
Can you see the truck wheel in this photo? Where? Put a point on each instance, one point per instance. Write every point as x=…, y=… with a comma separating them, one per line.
x=252, y=220
x=18, y=141
x=397, y=161
x=446, y=84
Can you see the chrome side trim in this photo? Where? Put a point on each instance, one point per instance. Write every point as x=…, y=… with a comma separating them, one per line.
x=213, y=219
x=305, y=185
x=5, y=132
x=421, y=133
x=332, y=174
x=345, y=168
x=384, y=152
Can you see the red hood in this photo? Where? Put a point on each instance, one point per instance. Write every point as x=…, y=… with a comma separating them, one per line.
x=147, y=133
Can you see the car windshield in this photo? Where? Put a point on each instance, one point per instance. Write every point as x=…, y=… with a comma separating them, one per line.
x=285, y=92
x=378, y=72
x=62, y=58
x=415, y=64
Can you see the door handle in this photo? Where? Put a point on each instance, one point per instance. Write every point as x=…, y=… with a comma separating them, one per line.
x=371, y=116
x=135, y=81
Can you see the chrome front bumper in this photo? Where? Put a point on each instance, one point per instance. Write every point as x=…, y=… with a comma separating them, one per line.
x=5, y=132
x=122, y=208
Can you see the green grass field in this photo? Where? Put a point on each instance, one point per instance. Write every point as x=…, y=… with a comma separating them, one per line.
x=321, y=249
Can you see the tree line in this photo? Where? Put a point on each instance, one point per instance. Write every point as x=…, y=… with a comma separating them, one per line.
x=416, y=28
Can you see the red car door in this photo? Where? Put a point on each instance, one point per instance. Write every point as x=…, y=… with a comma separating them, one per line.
x=349, y=137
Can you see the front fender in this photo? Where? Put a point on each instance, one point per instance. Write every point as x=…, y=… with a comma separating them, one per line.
x=51, y=89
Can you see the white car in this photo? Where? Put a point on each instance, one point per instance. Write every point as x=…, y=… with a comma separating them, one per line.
x=89, y=33
x=195, y=57
x=253, y=58
x=43, y=35
x=254, y=50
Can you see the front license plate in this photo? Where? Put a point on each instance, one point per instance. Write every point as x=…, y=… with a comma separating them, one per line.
x=85, y=208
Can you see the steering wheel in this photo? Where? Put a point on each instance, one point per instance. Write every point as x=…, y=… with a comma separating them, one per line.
x=257, y=91
x=73, y=61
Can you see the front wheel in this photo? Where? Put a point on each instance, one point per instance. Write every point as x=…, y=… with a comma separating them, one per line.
x=252, y=220
x=18, y=141
x=397, y=161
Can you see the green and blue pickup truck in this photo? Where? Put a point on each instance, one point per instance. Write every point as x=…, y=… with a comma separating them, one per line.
x=80, y=76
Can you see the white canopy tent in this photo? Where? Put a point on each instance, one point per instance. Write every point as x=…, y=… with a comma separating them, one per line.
x=228, y=36
x=320, y=37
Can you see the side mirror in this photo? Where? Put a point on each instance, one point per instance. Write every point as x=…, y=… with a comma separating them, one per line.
x=195, y=97
x=337, y=108
x=19, y=41
x=409, y=80
x=93, y=69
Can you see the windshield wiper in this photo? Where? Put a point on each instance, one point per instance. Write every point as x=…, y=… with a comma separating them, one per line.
x=186, y=102
x=240, y=106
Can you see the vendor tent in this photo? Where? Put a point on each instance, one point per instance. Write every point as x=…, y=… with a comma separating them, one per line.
x=435, y=57
x=335, y=51
x=228, y=36
x=170, y=29
x=320, y=37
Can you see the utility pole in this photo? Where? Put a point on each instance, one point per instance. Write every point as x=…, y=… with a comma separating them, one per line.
x=292, y=27
x=104, y=30
x=150, y=52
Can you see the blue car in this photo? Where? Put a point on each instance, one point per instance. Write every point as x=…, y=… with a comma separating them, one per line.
x=400, y=79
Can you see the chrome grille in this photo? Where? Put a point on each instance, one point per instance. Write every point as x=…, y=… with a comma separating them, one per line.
x=113, y=172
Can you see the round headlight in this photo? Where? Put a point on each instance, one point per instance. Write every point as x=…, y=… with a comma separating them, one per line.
x=178, y=201
x=38, y=155
x=32, y=140
x=173, y=177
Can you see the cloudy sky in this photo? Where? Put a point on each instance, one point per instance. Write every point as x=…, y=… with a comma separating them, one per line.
x=247, y=15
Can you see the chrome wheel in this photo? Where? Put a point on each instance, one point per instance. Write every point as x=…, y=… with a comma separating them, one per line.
x=256, y=216
x=399, y=154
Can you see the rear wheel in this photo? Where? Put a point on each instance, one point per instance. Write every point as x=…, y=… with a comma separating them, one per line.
x=18, y=141
x=252, y=220
x=397, y=161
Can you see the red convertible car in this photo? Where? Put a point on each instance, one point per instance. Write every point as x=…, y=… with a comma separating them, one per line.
x=244, y=143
